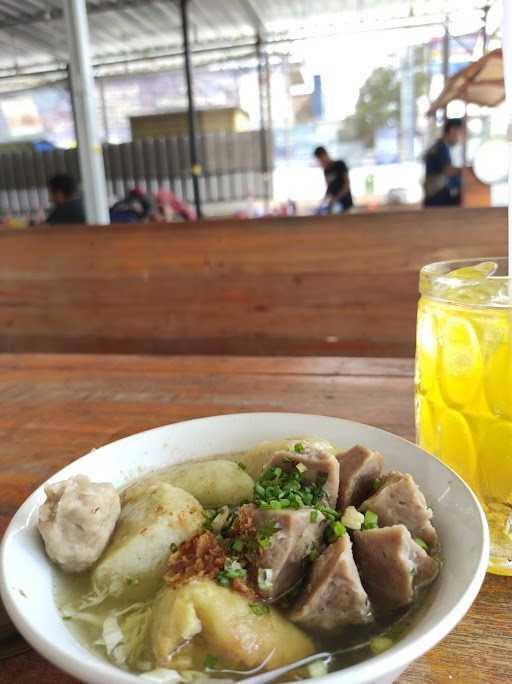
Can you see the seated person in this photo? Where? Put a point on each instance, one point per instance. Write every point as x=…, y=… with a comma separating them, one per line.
x=169, y=208
x=442, y=179
x=134, y=208
x=338, y=197
x=67, y=205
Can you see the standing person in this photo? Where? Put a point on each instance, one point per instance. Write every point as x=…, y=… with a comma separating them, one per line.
x=67, y=205
x=338, y=197
x=442, y=179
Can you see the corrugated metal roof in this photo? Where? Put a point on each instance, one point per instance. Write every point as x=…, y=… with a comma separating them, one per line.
x=32, y=32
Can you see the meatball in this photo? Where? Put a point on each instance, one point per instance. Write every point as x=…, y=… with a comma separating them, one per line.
x=77, y=520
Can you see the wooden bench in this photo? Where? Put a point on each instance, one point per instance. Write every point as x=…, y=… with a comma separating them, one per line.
x=327, y=286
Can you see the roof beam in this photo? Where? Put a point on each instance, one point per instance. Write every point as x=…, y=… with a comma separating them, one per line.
x=26, y=18
x=254, y=16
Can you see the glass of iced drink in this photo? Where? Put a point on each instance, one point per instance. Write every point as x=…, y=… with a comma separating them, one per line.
x=464, y=384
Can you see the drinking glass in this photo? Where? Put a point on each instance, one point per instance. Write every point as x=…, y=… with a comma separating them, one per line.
x=463, y=384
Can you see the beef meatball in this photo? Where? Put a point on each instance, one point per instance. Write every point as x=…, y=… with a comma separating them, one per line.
x=77, y=520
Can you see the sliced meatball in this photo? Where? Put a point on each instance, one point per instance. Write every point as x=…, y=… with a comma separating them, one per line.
x=392, y=565
x=334, y=595
x=316, y=463
x=359, y=468
x=399, y=500
x=291, y=536
x=77, y=520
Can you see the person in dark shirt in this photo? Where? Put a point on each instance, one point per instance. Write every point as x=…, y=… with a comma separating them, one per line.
x=442, y=179
x=338, y=197
x=67, y=206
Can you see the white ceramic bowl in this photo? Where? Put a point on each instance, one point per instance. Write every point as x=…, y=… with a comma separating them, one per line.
x=26, y=574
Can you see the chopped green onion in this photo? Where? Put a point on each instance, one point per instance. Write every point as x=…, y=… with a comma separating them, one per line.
x=313, y=516
x=313, y=555
x=210, y=662
x=259, y=608
x=421, y=543
x=67, y=617
x=132, y=580
x=371, y=520
x=380, y=644
x=296, y=501
x=376, y=484
x=278, y=488
x=237, y=545
x=299, y=448
x=223, y=580
x=318, y=668
x=173, y=547
x=234, y=569
x=321, y=479
x=242, y=466
x=338, y=528
x=335, y=531
x=263, y=542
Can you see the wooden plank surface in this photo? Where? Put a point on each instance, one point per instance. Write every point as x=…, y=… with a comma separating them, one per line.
x=306, y=285
x=56, y=407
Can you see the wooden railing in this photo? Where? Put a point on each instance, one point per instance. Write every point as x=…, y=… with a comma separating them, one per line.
x=326, y=286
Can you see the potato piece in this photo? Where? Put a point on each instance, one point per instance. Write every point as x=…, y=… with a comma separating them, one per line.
x=133, y=563
x=213, y=483
x=174, y=621
x=229, y=629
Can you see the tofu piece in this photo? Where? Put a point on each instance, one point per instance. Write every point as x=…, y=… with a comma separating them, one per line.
x=399, y=500
x=134, y=562
x=334, y=595
x=359, y=468
x=218, y=621
x=77, y=520
x=213, y=483
x=392, y=565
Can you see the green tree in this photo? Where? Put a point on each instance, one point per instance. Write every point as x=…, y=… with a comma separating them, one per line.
x=378, y=103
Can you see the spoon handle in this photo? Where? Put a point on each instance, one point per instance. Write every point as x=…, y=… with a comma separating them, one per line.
x=266, y=677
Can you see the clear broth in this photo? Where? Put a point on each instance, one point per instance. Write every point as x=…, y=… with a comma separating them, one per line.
x=348, y=645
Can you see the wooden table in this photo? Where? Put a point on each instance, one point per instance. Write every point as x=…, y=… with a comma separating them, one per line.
x=54, y=408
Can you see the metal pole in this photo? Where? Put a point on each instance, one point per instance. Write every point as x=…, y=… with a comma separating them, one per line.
x=485, y=35
x=446, y=56
x=92, y=170
x=104, y=113
x=407, y=107
x=270, y=144
x=195, y=166
x=263, y=130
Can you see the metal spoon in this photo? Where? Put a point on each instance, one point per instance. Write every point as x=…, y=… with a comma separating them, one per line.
x=269, y=676
x=266, y=677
